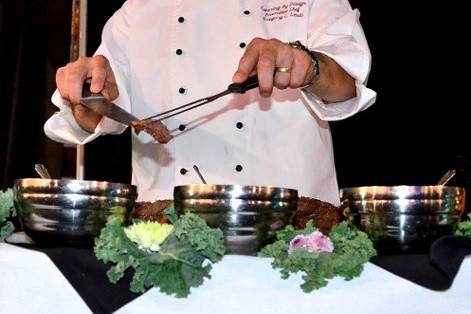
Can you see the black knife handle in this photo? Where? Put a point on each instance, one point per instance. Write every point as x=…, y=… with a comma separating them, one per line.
x=241, y=88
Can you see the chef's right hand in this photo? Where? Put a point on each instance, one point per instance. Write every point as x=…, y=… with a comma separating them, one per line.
x=70, y=79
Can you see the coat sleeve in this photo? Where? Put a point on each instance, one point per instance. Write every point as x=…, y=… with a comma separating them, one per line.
x=335, y=31
x=62, y=127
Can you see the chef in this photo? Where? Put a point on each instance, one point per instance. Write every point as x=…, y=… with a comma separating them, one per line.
x=312, y=61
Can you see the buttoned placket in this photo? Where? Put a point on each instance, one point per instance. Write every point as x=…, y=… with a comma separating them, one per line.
x=246, y=13
x=182, y=93
x=179, y=22
x=237, y=164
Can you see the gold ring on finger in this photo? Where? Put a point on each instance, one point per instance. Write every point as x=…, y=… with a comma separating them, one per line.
x=282, y=70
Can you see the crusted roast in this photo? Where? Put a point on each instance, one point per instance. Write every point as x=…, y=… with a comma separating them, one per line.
x=324, y=215
x=151, y=211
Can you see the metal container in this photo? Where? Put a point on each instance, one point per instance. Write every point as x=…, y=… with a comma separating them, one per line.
x=404, y=218
x=249, y=216
x=70, y=212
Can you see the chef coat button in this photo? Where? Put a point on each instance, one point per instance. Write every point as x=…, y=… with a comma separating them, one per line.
x=183, y=171
x=238, y=168
x=242, y=45
x=179, y=52
x=181, y=19
x=182, y=127
x=239, y=125
x=181, y=90
x=247, y=12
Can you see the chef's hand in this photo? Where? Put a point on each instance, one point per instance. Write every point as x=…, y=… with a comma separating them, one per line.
x=263, y=57
x=70, y=79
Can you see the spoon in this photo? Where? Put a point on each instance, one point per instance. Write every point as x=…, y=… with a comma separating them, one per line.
x=42, y=171
x=199, y=174
x=446, y=177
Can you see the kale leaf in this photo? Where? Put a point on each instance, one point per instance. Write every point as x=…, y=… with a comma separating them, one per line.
x=352, y=248
x=175, y=268
x=464, y=228
x=7, y=211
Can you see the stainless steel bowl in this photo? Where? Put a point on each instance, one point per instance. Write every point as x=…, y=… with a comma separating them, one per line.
x=404, y=218
x=70, y=212
x=249, y=216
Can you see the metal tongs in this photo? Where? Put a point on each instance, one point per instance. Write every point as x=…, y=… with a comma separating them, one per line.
x=234, y=88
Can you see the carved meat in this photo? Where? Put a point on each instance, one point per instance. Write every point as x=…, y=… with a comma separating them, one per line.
x=151, y=211
x=324, y=215
x=156, y=129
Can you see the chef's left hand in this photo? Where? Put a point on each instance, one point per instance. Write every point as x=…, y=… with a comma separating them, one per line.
x=263, y=57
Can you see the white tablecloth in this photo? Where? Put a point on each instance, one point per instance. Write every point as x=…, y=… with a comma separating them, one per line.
x=30, y=283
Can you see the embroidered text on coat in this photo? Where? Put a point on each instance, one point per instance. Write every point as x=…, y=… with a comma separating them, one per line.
x=283, y=11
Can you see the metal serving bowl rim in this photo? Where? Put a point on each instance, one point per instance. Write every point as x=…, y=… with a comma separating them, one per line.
x=234, y=191
x=71, y=186
x=393, y=192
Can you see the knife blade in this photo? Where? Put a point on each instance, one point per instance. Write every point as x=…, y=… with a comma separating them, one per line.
x=99, y=104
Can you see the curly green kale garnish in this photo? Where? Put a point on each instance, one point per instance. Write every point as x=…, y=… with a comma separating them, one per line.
x=352, y=248
x=117, y=215
x=464, y=228
x=7, y=211
x=171, y=214
x=206, y=241
x=175, y=267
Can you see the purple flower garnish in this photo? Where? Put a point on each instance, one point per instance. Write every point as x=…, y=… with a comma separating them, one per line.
x=315, y=242
x=298, y=242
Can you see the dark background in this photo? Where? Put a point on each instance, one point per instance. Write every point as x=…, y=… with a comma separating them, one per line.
x=412, y=135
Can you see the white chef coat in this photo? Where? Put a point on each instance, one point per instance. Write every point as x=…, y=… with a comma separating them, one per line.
x=167, y=53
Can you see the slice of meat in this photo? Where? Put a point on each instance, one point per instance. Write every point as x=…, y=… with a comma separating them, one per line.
x=151, y=211
x=156, y=129
x=324, y=215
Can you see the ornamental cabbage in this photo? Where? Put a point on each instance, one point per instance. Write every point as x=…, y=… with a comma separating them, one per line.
x=148, y=235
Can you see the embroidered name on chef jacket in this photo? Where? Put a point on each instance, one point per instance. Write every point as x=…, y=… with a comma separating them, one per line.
x=271, y=13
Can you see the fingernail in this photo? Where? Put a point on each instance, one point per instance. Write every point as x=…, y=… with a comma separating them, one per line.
x=237, y=77
x=94, y=89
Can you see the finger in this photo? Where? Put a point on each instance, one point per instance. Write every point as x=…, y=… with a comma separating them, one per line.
x=284, y=60
x=80, y=109
x=103, y=77
x=248, y=62
x=89, y=119
x=99, y=71
x=282, y=80
x=110, y=90
x=75, y=77
x=60, y=82
x=301, y=66
x=98, y=79
x=265, y=72
x=111, y=85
